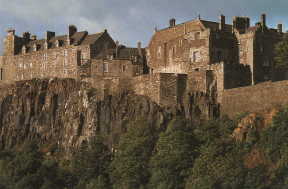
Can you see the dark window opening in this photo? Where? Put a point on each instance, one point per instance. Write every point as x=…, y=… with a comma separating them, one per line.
x=123, y=68
x=197, y=35
x=219, y=56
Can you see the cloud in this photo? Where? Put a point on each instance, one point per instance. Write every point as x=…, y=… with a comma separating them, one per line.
x=127, y=20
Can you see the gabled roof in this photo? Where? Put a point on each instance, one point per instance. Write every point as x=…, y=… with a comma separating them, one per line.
x=121, y=53
x=78, y=38
x=91, y=39
x=215, y=25
x=207, y=24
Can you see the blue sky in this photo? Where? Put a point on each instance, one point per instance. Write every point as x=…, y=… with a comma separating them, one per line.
x=128, y=21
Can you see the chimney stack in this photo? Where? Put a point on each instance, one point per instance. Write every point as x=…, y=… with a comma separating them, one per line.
x=222, y=22
x=72, y=30
x=33, y=37
x=280, y=28
x=26, y=35
x=49, y=35
x=172, y=22
x=263, y=20
x=139, y=47
x=11, y=31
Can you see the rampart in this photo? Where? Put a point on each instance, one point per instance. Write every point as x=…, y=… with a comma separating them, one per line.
x=255, y=98
x=163, y=88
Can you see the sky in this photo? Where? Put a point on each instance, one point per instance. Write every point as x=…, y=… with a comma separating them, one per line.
x=127, y=21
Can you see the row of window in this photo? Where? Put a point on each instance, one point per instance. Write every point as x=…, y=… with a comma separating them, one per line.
x=37, y=46
x=106, y=68
x=194, y=55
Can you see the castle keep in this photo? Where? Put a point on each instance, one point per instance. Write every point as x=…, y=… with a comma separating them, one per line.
x=194, y=59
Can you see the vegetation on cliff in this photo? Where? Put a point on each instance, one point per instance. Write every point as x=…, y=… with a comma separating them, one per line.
x=247, y=152
x=55, y=133
x=281, y=53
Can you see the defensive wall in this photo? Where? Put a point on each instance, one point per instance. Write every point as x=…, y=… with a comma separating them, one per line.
x=256, y=98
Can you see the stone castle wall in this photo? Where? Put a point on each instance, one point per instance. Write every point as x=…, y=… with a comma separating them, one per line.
x=166, y=89
x=60, y=62
x=255, y=98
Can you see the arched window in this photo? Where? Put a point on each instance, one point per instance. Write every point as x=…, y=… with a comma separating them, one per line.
x=46, y=45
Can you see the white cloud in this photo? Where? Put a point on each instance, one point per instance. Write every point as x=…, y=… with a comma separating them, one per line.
x=126, y=20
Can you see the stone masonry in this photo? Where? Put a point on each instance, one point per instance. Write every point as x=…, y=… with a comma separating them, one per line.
x=194, y=59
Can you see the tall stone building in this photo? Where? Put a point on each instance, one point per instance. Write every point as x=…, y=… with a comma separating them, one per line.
x=76, y=55
x=234, y=55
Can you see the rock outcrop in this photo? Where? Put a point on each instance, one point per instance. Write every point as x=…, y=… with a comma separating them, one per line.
x=65, y=112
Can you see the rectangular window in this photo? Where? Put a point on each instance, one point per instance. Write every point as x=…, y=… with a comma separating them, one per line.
x=159, y=52
x=197, y=36
x=180, y=43
x=123, y=68
x=105, y=67
x=65, y=53
x=1, y=73
x=45, y=57
x=196, y=56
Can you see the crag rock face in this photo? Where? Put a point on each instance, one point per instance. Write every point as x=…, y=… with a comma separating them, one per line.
x=65, y=112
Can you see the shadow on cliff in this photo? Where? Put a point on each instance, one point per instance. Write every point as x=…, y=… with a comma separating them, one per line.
x=66, y=112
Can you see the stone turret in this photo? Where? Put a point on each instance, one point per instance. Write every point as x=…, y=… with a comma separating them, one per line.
x=10, y=43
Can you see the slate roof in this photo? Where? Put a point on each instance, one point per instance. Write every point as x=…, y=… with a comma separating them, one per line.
x=208, y=24
x=215, y=25
x=122, y=53
x=79, y=38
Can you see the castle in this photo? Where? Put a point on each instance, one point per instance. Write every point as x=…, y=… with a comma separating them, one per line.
x=197, y=56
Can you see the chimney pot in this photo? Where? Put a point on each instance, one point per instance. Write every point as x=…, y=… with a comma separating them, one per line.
x=172, y=22
x=222, y=22
x=280, y=28
x=49, y=35
x=72, y=30
x=263, y=19
x=139, y=47
x=26, y=35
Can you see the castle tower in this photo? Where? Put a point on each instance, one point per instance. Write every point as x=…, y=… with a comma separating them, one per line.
x=9, y=43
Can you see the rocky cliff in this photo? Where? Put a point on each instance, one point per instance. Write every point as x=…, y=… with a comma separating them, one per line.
x=64, y=112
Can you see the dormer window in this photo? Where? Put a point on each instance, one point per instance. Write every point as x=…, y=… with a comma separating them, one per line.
x=46, y=45
x=24, y=50
x=68, y=40
x=35, y=47
x=57, y=43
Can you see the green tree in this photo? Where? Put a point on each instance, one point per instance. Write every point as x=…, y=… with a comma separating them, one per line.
x=129, y=169
x=92, y=161
x=220, y=160
x=281, y=53
x=174, y=156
